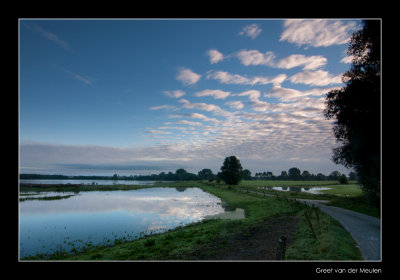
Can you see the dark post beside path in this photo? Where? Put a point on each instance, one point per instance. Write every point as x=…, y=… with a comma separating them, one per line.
x=280, y=255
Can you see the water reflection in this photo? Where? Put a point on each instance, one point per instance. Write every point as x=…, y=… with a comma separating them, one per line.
x=99, y=216
x=313, y=190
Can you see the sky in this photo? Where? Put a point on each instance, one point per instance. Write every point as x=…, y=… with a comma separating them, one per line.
x=144, y=96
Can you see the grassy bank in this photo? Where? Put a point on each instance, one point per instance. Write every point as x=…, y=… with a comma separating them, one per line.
x=331, y=241
x=207, y=239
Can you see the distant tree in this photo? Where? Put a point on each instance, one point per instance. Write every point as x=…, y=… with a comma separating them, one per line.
x=115, y=177
x=306, y=175
x=343, y=179
x=247, y=174
x=335, y=175
x=284, y=175
x=352, y=176
x=294, y=173
x=231, y=171
x=356, y=109
x=206, y=174
x=320, y=176
x=180, y=174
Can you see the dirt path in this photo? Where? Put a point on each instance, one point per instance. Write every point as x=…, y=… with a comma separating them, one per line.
x=365, y=230
x=260, y=242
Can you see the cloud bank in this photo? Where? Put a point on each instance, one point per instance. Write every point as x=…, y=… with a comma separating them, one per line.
x=317, y=32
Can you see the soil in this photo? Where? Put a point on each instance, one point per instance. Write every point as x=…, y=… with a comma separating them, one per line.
x=258, y=243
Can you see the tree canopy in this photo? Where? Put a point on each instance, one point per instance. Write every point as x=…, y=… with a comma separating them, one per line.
x=231, y=171
x=356, y=109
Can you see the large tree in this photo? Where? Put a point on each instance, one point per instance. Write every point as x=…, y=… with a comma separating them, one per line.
x=231, y=171
x=356, y=109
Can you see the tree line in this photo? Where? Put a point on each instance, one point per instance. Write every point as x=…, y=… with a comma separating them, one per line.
x=204, y=174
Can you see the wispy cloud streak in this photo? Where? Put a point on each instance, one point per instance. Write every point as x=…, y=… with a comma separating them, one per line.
x=48, y=35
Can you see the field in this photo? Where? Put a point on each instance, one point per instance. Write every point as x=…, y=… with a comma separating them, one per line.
x=351, y=189
x=348, y=196
x=252, y=238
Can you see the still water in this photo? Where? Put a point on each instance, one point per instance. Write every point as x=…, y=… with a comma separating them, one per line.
x=313, y=190
x=101, y=217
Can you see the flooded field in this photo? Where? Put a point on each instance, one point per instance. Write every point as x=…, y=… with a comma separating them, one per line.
x=72, y=221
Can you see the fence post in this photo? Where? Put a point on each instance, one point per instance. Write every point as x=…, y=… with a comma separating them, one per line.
x=316, y=209
x=308, y=218
x=280, y=255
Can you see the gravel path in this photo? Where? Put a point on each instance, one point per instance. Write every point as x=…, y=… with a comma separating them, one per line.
x=365, y=230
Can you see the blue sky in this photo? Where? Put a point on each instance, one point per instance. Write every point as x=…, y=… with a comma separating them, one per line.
x=144, y=96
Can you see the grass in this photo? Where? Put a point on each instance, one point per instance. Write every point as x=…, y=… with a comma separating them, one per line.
x=332, y=241
x=186, y=242
x=348, y=196
x=273, y=183
x=357, y=204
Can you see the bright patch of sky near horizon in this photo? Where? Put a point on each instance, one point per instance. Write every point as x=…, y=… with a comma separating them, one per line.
x=178, y=93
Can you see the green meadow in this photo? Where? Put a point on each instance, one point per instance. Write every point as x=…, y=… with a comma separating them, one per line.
x=211, y=238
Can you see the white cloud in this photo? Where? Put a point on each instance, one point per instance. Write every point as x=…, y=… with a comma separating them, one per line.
x=288, y=94
x=158, y=132
x=227, y=78
x=189, y=123
x=284, y=94
x=215, y=56
x=308, y=63
x=252, y=30
x=167, y=107
x=347, y=59
x=202, y=117
x=252, y=94
x=318, y=32
x=217, y=94
x=254, y=57
x=235, y=104
x=316, y=78
x=277, y=80
x=255, y=103
x=174, y=94
x=201, y=106
x=195, y=116
x=188, y=77
x=259, y=105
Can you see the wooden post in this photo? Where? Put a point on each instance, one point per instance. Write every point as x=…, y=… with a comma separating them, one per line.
x=316, y=213
x=310, y=224
x=280, y=254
